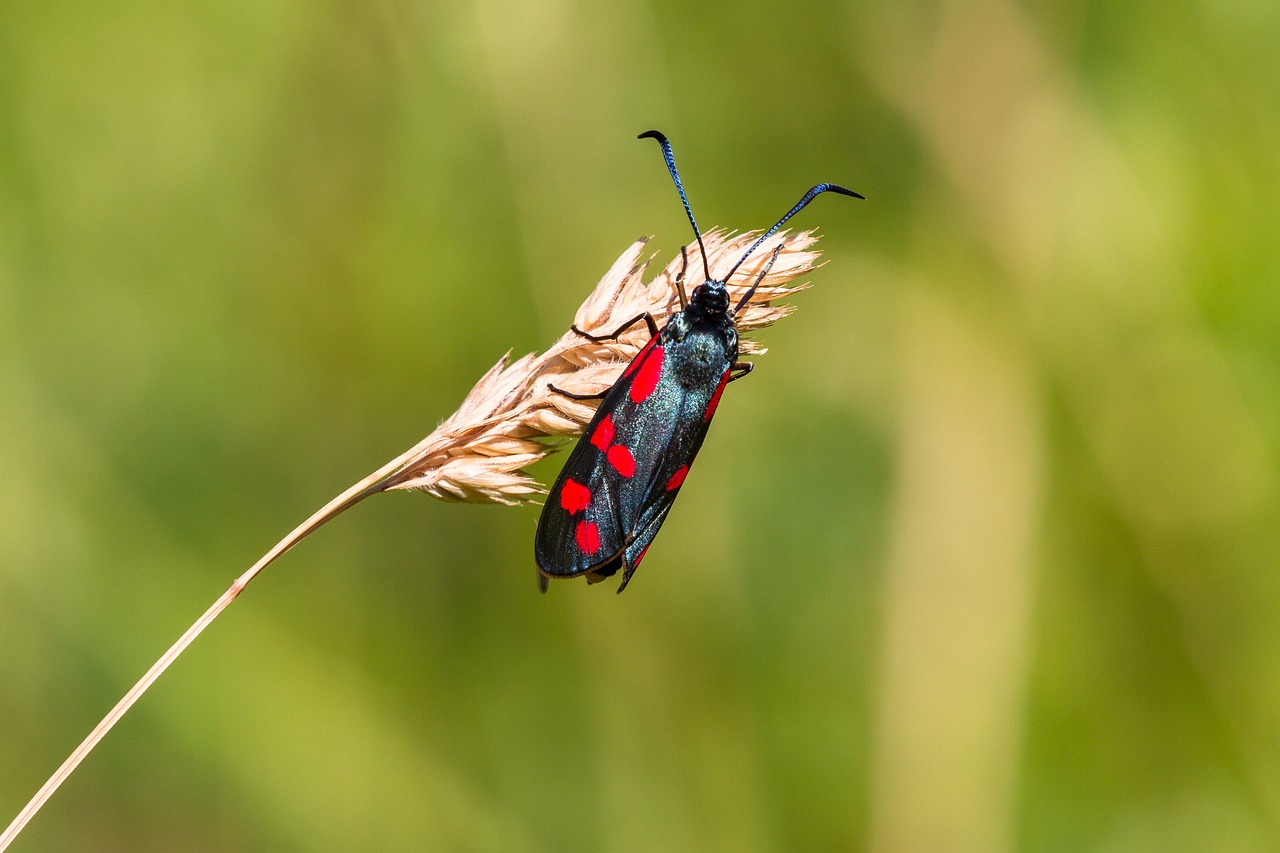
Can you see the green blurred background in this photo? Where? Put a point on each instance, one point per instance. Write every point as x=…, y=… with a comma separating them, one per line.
x=983, y=557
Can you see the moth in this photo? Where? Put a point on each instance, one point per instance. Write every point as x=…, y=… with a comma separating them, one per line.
x=625, y=473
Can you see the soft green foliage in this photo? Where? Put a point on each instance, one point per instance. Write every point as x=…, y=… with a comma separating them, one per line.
x=984, y=556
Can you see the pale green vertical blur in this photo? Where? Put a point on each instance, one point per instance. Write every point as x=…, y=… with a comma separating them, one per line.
x=983, y=557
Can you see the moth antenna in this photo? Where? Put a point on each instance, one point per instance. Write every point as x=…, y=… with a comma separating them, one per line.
x=800, y=205
x=675, y=176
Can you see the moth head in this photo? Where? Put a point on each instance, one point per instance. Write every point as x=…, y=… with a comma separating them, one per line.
x=710, y=297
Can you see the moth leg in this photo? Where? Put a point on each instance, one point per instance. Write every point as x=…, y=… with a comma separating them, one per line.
x=595, y=339
x=573, y=396
x=684, y=264
x=746, y=297
x=742, y=368
x=613, y=336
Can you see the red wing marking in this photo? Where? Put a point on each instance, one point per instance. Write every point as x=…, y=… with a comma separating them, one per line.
x=647, y=376
x=574, y=497
x=715, y=398
x=620, y=457
x=640, y=356
x=639, y=557
x=588, y=537
x=603, y=436
x=677, y=478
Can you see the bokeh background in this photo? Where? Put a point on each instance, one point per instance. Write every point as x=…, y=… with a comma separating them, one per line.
x=983, y=557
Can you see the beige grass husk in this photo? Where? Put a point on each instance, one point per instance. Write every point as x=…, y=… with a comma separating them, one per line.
x=480, y=452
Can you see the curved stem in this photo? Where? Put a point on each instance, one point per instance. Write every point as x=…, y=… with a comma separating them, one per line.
x=376, y=482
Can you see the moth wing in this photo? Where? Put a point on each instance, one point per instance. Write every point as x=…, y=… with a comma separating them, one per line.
x=622, y=478
x=580, y=528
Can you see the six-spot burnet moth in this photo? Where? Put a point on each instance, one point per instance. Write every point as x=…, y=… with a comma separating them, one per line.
x=620, y=481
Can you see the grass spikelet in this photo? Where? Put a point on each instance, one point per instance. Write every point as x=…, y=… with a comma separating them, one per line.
x=480, y=452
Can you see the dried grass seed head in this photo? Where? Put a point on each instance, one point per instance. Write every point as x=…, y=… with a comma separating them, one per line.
x=479, y=453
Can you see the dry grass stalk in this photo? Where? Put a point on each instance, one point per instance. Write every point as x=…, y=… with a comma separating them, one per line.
x=480, y=452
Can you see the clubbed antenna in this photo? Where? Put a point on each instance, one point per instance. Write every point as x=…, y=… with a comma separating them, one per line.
x=800, y=205
x=671, y=167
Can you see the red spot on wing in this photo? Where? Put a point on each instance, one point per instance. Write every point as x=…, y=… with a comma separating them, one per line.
x=677, y=478
x=647, y=376
x=603, y=436
x=574, y=496
x=620, y=457
x=715, y=398
x=587, y=536
x=640, y=556
x=640, y=356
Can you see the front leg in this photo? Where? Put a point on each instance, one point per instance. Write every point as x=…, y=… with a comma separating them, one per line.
x=684, y=264
x=742, y=368
x=573, y=396
x=596, y=339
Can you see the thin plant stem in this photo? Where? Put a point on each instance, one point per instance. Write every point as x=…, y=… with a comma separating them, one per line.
x=370, y=485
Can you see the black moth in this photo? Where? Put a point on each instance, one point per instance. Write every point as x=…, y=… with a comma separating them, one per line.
x=620, y=481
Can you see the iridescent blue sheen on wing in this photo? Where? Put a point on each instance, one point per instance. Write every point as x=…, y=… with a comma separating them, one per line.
x=619, y=482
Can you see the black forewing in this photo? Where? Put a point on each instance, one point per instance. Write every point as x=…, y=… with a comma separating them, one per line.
x=661, y=432
x=555, y=545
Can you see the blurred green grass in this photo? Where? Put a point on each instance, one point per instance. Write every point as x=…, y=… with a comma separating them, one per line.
x=982, y=557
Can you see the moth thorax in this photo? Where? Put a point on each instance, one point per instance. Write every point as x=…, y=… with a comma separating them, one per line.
x=700, y=358
x=711, y=296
